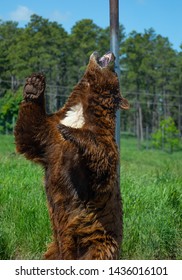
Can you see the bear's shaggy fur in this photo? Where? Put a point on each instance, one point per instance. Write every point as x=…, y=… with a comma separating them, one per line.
x=76, y=147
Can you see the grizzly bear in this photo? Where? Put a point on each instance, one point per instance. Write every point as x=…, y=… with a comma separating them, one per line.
x=77, y=149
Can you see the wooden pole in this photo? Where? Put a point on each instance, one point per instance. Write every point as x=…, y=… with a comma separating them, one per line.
x=114, y=46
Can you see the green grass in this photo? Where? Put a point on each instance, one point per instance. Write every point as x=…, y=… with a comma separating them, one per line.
x=151, y=184
x=24, y=223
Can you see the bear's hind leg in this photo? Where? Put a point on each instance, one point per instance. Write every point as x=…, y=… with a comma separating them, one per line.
x=102, y=250
x=52, y=252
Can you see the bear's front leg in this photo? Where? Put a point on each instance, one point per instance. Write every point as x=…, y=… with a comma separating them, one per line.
x=31, y=129
x=100, y=153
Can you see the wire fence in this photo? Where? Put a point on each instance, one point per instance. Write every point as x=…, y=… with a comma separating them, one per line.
x=146, y=111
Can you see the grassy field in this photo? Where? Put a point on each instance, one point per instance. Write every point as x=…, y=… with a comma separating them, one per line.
x=151, y=185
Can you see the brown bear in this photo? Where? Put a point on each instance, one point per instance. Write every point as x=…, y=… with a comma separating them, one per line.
x=77, y=148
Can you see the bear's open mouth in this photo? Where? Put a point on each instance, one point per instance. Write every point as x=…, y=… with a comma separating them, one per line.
x=106, y=59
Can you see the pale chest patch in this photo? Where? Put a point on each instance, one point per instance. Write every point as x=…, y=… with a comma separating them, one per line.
x=74, y=117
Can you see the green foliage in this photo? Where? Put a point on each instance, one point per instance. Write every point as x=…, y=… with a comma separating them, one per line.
x=148, y=60
x=151, y=190
x=44, y=46
x=150, y=67
x=167, y=136
x=152, y=71
x=9, y=106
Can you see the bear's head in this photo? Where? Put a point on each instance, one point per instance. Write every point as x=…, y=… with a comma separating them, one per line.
x=96, y=97
x=103, y=80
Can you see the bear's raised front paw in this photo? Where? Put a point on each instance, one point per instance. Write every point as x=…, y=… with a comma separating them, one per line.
x=34, y=86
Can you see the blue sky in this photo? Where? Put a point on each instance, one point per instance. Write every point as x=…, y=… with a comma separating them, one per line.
x=165, y=16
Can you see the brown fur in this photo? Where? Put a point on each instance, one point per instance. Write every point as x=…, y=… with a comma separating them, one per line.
x=80, y=164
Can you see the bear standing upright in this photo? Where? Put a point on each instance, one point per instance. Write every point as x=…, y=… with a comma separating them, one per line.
x=77, y=148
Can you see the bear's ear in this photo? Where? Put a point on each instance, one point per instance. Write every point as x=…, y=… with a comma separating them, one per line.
x=124, y=104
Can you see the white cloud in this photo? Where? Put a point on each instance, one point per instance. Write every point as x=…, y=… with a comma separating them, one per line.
x=58, y=16
x=21, y=13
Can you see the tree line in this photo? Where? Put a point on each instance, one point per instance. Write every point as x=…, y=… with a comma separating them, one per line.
x=151, y=70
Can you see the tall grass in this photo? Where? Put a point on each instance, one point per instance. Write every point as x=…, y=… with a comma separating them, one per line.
x=151, y=184
x=24, y=223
